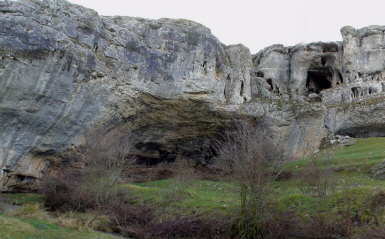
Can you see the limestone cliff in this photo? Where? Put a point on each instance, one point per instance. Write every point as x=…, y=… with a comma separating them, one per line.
x=347, y=77
x=67, y=73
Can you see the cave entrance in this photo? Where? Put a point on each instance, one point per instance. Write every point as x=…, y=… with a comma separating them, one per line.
x=318, y=80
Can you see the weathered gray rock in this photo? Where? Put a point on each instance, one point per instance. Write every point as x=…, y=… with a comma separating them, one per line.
x=299, y=73
x=297, y=127
x=362, y=66
x=237, y=88
x=271, y=72
x=347, y=77
x=314, y=69
x=356, y=108
x=67, y=73
x=378, y=170
x=361, y=119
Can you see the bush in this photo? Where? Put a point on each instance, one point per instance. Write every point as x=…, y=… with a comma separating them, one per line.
x=95, y=189
x=96, y=184
x=184, y=175
x=29, y=210
x=190, y=227
x=84, y=221
x=253, y=162
x=315, y=178
x=289, y=225
x=376, y=201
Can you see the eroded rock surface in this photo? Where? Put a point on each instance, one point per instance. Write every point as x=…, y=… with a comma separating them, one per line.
x=347, y=77
x=67, y=73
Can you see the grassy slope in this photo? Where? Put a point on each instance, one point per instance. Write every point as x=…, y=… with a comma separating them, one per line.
x=364, y=154
x=199, y=198
x=38, y=225
x=353, y=187
x=22, y=228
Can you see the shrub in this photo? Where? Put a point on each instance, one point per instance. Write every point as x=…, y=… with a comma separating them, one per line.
x=84, y=222
x=289, y=225
x=95, y=185
x=314, y=178
x=108, y=155
x=376, y=201
x=29, y=210
x=95, y=189
x=184, y=175
x=369, y=232
x=253, y=162
x=131, y=219
x=191, y=227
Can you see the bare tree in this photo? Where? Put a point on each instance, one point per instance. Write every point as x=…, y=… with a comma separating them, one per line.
x=109, y=153
x=253, y=161
x=107, y=159
x=317, y=177
x=96, y=185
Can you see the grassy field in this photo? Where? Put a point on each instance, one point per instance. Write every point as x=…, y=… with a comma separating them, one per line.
x=361, y=156
x=350, y=166
x=22, y=228
x=335, y=184
x=23, y=216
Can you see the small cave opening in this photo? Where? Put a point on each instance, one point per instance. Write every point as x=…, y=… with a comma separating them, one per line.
x=270, y=82
x=260, y=74
x=318, y=81
x=25, y=179
x=204, y=65
x=242, y=89
x=341, y=79
x=356, y=92
x=226, y=91
x=323, y=61
x=328, y=60
x=373, y=90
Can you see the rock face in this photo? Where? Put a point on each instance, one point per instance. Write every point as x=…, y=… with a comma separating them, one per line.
x=297, y=73
x=347, y=77
x=67, y=74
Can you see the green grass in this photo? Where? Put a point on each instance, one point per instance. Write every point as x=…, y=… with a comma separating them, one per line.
x=350, y=165
x=21, y=198
x=23, y=228
x=200, y=197
x=353, y=183
x=354, y=190
x=361, y=156
x=198, y=193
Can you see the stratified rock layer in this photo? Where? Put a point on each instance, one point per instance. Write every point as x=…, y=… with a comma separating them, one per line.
x=67, y=74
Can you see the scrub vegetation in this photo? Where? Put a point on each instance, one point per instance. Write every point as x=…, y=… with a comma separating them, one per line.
x=250, y=191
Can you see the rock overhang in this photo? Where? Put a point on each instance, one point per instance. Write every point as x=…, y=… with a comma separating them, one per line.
x=171, y=81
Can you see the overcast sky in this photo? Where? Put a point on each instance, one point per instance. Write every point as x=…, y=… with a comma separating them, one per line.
x=256, y=23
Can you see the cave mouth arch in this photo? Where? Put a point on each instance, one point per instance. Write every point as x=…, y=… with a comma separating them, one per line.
x=318, y=80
